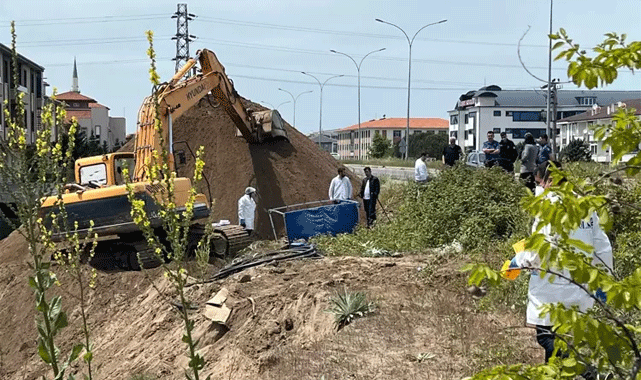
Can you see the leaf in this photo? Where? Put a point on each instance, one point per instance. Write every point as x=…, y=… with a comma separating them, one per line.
x=87, y=356
x=75, y=352
x=61, y=322
x=43, y=352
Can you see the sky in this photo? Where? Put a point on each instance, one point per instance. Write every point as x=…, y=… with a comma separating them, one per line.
x=265, y=45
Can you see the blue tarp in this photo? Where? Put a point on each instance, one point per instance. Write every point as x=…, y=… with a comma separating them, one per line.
x=331, y=219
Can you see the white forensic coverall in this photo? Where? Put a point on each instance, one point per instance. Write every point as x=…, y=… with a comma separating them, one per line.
x=340, y=188
x=246, y=211
x=542, y=291
x=420, y=171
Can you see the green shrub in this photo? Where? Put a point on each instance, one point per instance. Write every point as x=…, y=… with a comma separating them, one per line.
x=347, y=306
x=576, y=150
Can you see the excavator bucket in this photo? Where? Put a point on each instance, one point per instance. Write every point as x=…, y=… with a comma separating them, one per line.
x=271, y=125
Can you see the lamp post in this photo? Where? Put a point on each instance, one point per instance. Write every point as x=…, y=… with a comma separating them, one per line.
x=320, y=122
x=409, y=76
x=271, y=105
x=358, y=69
x=295, y=98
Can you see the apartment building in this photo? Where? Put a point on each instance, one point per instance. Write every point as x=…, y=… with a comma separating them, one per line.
x=519, y=111
x=581, y=127
x=393, y=129
x=30, y=83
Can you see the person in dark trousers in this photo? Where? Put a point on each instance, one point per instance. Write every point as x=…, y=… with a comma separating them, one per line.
x=370, y=188
x=507, y=153
x=452, y=153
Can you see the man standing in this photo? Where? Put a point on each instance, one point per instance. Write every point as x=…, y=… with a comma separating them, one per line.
x=507, y=153
x=491, y=147
x=451, y=153
x=420, y=169
x=341, y=187
x=545, y=150
x=370, y=188
x=247, y=209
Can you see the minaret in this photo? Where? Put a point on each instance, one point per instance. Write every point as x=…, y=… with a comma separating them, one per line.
x=74, y=85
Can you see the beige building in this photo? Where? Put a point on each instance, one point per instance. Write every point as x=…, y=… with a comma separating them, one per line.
x=391, y=128
x=581, y=127
x=92, y=116
x=31, y=84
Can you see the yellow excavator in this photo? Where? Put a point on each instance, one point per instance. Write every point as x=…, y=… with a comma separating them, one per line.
x=100, y=194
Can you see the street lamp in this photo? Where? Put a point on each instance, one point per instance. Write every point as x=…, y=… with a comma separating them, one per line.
x=295, y=99
x=320, y=122
x=409, y=76
x=358, y=69
x=271, y=105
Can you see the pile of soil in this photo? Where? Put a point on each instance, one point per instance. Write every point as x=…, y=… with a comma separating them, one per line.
x=279, y=327
x=284, y=173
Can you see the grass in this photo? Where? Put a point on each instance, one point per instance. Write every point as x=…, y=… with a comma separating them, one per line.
x=347, y=306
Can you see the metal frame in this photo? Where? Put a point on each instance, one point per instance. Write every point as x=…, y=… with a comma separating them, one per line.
x=277, y=210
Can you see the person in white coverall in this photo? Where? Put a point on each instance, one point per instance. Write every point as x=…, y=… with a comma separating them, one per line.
x=247, y=209
x=543, y=291
x=340, y=188
x=420, y=169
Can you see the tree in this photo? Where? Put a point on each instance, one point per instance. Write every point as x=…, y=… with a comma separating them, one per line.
x=576, y=150
x=381, y=146
x=609, y=338
x=428, y=142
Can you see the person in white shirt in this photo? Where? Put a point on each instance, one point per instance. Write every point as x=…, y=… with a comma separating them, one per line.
x=247, y=209
x=420, y=169
x=548, y=289
x=341, y=187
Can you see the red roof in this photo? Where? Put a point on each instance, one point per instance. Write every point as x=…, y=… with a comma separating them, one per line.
x=78, y=114
x=97, y=105
x=401, y=122
x=71, y=95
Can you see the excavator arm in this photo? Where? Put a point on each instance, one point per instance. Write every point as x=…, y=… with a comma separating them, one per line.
x=175, y=97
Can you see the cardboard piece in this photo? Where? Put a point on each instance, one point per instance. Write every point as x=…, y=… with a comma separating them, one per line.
x=220, y=298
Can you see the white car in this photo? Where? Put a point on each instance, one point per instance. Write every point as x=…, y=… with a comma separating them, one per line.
x=335, y=155
x=475, y=159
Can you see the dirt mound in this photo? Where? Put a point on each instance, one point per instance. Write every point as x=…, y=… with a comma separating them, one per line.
x=283, y=173
x=13, y=248
x=278, y=328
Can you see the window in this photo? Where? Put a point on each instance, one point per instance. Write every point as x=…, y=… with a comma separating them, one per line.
x=587, y=101
x=453, y=119
x=593, y=149
x=397, y=133
x=519, y=133
x=97, y=131
x=526, y=116
x=384, y=133
x=96, y=173
x=467, y=118
x=497, y=113
x=508, y=113
x=496, y=130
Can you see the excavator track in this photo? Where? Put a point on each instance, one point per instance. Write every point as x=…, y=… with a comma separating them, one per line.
x=228, y=240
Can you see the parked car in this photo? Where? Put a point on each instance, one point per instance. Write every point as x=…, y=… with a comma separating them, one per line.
x=475, y=159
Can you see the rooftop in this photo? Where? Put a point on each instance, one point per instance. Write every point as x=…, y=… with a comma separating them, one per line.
x=71, y=95
x=538, y=97
x=598, y=113
x=401, y=122
x=7, y=50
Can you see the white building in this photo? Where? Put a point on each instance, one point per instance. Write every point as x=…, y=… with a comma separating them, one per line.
x=92, y=116
x=30, y=77
x=581, y=127
x=518, y=111
x=391, y=128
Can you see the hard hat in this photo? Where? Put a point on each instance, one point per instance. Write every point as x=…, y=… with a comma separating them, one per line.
x=250, y=190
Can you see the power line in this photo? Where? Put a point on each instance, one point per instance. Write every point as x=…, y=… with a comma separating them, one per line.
x=108, y=19
x=358, y=34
